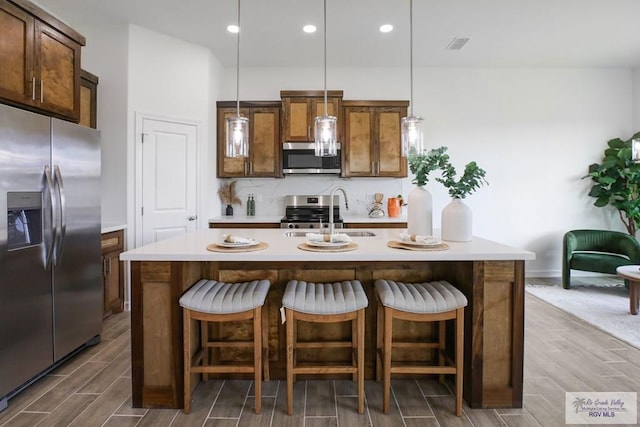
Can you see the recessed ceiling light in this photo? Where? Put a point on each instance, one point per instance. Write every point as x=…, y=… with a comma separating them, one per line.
x=457, y=43
x=309, y=28
x=233, y=28
x=386, y=28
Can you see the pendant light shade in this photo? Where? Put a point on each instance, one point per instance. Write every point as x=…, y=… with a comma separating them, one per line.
x=237, y=143
x=635, y=150
x=325, y=127
x=412, y=134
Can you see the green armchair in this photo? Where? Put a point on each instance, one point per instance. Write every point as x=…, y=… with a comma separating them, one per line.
x=599, y=251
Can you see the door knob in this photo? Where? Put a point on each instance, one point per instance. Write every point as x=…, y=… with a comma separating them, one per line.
x=193, y=217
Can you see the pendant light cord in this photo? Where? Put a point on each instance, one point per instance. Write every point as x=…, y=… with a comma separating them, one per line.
x=325, y=57
x=411, y=53
x=238, y=65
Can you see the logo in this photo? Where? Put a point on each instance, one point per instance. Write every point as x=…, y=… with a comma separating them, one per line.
x=601, y=408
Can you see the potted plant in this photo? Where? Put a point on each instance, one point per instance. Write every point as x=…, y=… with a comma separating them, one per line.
x=616, y=182
x=420, y=202
x=457, y=218
x=228, y=196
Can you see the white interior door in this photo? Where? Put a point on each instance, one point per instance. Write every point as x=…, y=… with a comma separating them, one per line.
x=169, y=177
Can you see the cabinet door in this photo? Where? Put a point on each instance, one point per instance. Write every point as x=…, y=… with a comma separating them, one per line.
x=389, y=143
x=88, y=99
x=358, y=141
x=265, y=149
x=296, y=121
x=113, y=288
x=229, y=167
x=16, y=54
x=57, y=68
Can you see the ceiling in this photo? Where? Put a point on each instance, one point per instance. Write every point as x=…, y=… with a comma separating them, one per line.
x=503, y=33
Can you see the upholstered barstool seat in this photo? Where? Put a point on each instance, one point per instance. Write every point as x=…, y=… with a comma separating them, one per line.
x=436, y=301
x=220, y=302
x=325, y=303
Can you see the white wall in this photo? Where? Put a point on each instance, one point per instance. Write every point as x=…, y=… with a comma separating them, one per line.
x=636, y=99
x=534, y=131
x=171, y=78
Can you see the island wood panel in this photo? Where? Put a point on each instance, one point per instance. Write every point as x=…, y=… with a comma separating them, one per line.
x=494, y=327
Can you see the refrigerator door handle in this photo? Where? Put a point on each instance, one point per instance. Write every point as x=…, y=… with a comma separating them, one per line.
x=63, y=223
x=53, y=232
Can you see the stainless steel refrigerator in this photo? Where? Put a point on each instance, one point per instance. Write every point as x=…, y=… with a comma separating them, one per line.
x=50, y=261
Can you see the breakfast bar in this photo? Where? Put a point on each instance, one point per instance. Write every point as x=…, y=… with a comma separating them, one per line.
x=490, y=274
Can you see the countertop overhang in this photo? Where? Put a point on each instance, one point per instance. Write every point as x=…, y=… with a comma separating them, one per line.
x=193, y=247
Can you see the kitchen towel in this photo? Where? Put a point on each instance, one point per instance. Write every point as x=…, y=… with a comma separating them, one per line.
x=421, y=240
x=324, y=237
x=229, y=238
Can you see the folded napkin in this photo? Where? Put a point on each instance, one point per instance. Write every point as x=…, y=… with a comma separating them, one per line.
x=421, y=240
x=324, y=237
x=229, y=238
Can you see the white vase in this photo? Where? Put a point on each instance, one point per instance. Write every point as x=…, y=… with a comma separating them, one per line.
x=420, y=212
x=457, y=220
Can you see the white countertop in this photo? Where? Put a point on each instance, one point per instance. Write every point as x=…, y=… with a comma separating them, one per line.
x=276, y=219
x=109, y=227
x=193, y=247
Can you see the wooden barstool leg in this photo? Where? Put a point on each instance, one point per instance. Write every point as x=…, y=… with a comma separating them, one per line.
x=206, y=351
x=354, y=348
x=388, y=322
x=290, y=349
x=459, y=358
x=441, y=346
x=257, y=357
x=186, y=344
x=360, y=350
x=265, y=342
x=379, y=338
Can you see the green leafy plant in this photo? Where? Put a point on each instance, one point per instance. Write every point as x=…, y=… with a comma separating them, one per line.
x=472, y=178
x=421, y=165
x=616, y=182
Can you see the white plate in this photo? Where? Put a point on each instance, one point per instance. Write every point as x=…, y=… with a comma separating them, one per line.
x=237, y=245
x=411, y=243
x=327, y=244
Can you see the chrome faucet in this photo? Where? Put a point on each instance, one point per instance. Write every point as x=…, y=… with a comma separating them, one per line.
x=346, y=205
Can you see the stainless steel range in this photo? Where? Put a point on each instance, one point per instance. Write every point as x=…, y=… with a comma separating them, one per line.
x=310, y=212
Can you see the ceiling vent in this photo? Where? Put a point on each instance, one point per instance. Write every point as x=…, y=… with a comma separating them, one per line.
x=457, y=43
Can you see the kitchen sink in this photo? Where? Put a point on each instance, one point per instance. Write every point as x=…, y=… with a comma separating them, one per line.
x=353, y=233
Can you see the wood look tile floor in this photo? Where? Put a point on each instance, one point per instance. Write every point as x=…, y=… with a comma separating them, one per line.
x=562, y=353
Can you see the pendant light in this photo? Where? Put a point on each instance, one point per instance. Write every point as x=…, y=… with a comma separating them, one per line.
x=326, y=135
x=237, y=143
x=412, y=137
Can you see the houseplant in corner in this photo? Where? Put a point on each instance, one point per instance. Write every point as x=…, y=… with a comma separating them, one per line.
x=457, y=216
x=616, y=182
x=228, y=196
x=420, y=213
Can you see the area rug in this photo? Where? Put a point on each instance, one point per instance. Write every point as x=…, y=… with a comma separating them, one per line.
x=601, y=302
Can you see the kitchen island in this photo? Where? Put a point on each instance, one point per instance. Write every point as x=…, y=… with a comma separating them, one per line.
x=490, y=274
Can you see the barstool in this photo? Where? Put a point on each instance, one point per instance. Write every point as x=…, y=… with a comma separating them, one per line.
x=325, y=303
x=213, y=301
x=435, y=301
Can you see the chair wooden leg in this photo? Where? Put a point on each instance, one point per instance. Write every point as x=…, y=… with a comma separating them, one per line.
x=386, y=370
x=360, y=351
x=186, y=344
x=290, y=349
x=442, y=327
x=257, y=357
x=459, y=350
x=265, y=342
x=206, y=351
x=354, y=348
x=379, y=339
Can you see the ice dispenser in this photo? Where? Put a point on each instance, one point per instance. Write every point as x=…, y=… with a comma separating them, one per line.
x=24, y=219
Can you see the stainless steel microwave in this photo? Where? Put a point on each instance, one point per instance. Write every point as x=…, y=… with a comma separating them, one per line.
x=300, y=158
